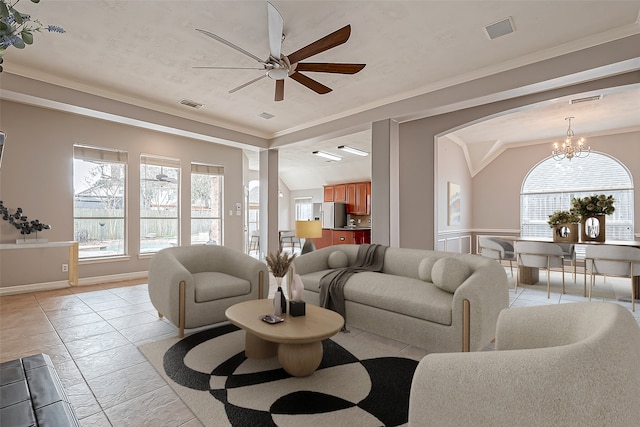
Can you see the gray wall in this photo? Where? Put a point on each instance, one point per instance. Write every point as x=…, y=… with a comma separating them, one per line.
x=36, y=175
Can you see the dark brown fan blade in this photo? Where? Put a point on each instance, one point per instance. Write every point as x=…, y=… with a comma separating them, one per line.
x=279, y=90
x=327, y=42
x=310, y=83
x=324, y=67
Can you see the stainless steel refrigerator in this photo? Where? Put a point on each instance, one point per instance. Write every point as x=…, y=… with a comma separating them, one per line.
x=334, y=215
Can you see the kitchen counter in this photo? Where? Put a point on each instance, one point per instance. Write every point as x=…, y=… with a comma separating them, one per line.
x=352, y=228
x=343, y=235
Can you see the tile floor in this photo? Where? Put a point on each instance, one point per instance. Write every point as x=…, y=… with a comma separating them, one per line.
x=92, y=333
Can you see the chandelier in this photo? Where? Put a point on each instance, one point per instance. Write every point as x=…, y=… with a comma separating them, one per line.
x=568, y=150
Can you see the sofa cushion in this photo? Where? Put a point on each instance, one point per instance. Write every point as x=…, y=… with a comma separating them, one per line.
x=211, y=286
x=338, y=259
x=449, y=273
x=425, y=267
x=403, y=295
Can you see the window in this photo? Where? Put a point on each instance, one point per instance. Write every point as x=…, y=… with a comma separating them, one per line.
x=254, y=207
x=159, y=203
x=206, y=204
x=304, y=208
x=99, y=182
x=551, y=185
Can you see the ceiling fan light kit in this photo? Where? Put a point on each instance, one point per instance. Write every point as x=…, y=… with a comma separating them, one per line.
x=353, y=150
x=326, y=155
x=279, y=66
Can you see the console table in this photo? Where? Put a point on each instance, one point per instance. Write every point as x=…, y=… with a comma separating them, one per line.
x=73, y=254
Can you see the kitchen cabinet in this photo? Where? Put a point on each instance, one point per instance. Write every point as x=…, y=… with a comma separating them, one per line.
x=352, y=237
x=325, y=240
x=340, y=193
x=328, y=193
x=357, y=195
x=342, y=237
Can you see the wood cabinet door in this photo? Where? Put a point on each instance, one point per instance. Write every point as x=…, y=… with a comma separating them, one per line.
x=325, y=240
x=352, y=199
x=362, y=197
x=340, y=193
x=328, y=193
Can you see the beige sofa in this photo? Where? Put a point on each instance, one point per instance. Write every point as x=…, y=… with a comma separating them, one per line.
x=192, y=286
x=563, y=365
x=438, y=301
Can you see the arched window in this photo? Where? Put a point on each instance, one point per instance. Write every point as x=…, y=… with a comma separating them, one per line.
x=550, y=185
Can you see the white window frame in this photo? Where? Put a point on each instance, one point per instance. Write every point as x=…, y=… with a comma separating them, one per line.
x=199, y=169
x=303, y=206
x=149, y=241
x=98, y=242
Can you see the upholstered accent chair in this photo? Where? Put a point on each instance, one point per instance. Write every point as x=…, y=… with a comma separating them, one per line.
x=609, y=260
x=192, y=286
x=498, y=249
x=540, y=255
x=566, y=365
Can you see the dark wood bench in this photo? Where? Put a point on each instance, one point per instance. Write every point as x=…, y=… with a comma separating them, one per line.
x=31, y=394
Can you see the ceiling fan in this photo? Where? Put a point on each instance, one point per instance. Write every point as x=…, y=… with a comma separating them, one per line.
x=279, y=66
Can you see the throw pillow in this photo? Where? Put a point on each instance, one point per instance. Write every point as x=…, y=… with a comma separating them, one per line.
x=425, y=267
x=338, y=259
x=449, y=273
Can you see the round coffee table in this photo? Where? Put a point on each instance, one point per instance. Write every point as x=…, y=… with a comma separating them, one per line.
x=297, y=340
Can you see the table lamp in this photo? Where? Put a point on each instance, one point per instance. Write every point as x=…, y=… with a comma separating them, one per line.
x=308, y=230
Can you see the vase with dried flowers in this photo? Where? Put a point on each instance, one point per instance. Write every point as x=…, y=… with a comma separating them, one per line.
x=279, y=264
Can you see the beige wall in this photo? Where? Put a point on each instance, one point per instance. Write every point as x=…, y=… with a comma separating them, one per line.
x=36, y=175
x=497, y=187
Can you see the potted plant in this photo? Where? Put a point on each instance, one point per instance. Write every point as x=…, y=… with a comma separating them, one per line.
x=16, y=29
x=565, y=226
x=279, y=264
x=593, y=210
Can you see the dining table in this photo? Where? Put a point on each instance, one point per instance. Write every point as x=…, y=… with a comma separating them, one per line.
x=531, y=275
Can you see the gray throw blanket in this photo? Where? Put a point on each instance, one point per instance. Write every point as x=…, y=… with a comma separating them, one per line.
x=370, y=258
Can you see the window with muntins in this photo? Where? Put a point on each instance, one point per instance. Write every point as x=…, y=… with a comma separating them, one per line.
x=159, y=203
x=206, y=204
x=304, y=208
x=99, y=201
x=551, y=185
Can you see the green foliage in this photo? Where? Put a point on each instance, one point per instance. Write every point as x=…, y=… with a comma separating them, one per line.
x=16, y=29
x=593, y=205
x=563, y=217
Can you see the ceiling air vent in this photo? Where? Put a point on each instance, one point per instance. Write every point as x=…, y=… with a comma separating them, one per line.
x=586, y=99
x=500, y=28
x=190, y=103
x=266, y=115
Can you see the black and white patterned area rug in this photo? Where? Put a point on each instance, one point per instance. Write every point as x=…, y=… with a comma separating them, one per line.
x=358, y=383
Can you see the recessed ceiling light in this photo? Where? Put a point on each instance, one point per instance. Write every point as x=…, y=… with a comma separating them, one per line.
x=352, y=150
x=328, y=156
x=190, y=103
x=586, y=99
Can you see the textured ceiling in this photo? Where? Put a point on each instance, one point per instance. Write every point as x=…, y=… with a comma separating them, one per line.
x=143, y=53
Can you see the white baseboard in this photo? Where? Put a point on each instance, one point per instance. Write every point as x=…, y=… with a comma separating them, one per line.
x=61, y=284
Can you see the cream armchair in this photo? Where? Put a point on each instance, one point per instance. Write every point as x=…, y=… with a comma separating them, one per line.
x=564, y=365
x=192, y=286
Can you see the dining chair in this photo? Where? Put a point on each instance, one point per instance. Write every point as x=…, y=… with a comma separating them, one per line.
x=569, y=250
x=498, y=249
x=610, y=260
x=540, y=255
